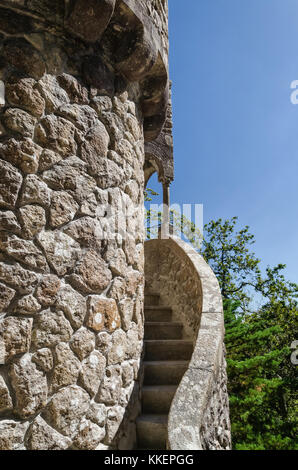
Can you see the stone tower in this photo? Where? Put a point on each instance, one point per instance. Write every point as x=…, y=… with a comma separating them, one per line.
x=85, y=122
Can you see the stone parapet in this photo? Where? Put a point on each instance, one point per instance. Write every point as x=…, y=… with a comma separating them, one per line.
x=199, y=414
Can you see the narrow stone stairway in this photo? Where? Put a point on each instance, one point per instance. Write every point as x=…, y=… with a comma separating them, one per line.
x=166, y=359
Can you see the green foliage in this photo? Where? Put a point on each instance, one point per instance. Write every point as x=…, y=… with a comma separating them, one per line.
x=228, y=253
x=261, y=323
x=262, y=381
x=148, y=194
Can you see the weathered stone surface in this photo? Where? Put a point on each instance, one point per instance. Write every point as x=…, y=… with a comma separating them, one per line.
x=118, y=347
x=57, y=134
x=120, y=106
x=67, y=408
x=46, y=9
x=97, y=413
x=41, y=436
x=98, y=75
x=27, y=305
x=86, y=231
x=44, y=359
x=9, y=222
x=82, y=342
x=115, y=417
x=24, y=251
x=66, y=370
x=134, y=126
x=69, y=174
x=63, y=208
x=25, y=58
x=33, y=220
x=126, y=307
x=109, y=174
x=25, y=94
x=102, y=104
x=84, y=117
x=19, y=121
x=103, y=342
x=77, y=93
x=72, y=304
x=61, y=251
x=126, y=396
x=103, y=447
x=118, y=289
x=12, y=434
x=102, y=313
x=134, y=346
x=50, y=329
x=6, y=295
x=127, y=373
x=215, y=431
x=5, y=398
x=124, y=148
x=91, y=274
x=20, y=279
x=132, y=189
x=90, y=207
x=48, y=159
x=110, y=388
x=10, y=184
x=52, y=93
x=2, y=130
x=93, y=368
x=89, y=435
x=89, y=19
x=95, y=148
x=16, y=335
x=46, y=292
x=30, y=387
x=14, y=24
x=23, y=153
x=35, y=192
x=116, y=260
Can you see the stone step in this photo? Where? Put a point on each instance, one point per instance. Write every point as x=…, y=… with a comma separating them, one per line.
x=163, y=330
x=152, y=431
x=158, y=398
x=152, y=299
x=155, y=313
x=164, y=372
x=168, y=350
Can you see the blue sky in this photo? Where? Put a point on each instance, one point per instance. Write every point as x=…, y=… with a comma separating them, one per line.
x=235, y=128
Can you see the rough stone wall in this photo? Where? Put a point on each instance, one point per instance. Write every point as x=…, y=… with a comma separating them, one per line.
x=71, y=299
x=199, y=415
x=175, y=282
x=219, y=437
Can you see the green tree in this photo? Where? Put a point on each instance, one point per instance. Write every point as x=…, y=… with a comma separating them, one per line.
x=229, y=254
x=262, y=380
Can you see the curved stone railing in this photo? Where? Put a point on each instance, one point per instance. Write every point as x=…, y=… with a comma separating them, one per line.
x=199, y=414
